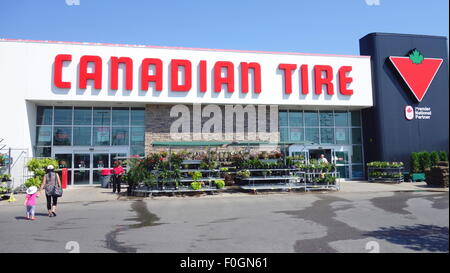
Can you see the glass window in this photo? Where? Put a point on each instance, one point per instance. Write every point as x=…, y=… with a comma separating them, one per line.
x=326, y=135
x=101, y=160
x=284, y=134
x=102, y=116
x=342, y=136
x=295, y=118
x=326, y=118
x=357, y=171
x=117, y=158
x=101, y=136
x=282, y=118
x=81, y=177
x=341, y=157
x=120, y=116
x=138, y=116
x=343, y=171
x=312, y=135
x=63, y=115
x=356, y=136
x=44, y=135
x=43, y=151
x=62, y=136
x=296, y=134
x=357, y=154
x=356, y=119
x=64, y=160
x=137, y=150
x=120, y=136
x=341, y=118
x=311, y=118
x=82, y=161
x=138, y=136
x=82, y=116
x=82, y=136
x=44, y=115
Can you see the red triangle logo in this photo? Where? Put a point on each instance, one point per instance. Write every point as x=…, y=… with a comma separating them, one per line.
x=418, y=76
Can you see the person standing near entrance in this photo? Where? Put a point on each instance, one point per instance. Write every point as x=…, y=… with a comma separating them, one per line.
x=117, y=178
x=323, y=159
x=50, y=183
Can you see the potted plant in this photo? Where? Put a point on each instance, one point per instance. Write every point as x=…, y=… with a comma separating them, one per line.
x=219, y=184
x=244, y=173
x=151, y=181
x=163, y=176
x=196, y=185
x=196, y=176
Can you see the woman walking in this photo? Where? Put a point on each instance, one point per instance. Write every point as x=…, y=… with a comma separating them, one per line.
x=52, y=185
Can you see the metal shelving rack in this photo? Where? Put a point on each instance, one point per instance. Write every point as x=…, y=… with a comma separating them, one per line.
x=211, y=175
x=397, y=171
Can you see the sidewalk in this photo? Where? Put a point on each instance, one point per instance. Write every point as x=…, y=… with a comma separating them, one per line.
x=96, y=194
x=364, y=186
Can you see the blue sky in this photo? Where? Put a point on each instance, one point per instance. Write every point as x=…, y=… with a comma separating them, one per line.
x=320, y=26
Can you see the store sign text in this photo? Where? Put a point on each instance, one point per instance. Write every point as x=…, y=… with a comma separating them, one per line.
x=224, y=77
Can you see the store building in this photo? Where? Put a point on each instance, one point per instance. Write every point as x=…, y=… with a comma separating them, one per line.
x=86, y=103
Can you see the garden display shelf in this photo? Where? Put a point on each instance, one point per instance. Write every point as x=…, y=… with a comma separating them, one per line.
x=170, y=185
x=312, y=176
x=382, y=174
x=287, y=179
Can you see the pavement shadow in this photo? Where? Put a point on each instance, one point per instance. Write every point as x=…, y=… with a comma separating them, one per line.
x=418, y=237
x=25, y=218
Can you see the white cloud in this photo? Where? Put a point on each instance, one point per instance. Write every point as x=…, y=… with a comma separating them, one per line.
x=373, y=2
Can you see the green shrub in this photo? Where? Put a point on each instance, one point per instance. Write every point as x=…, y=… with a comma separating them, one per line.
x=33, y=181
x=5, y=177
x=443, y=156
x=434, y=158
x=415, y=163
x=196, y=185
x=219, y=184
x=150, y=180
x=425, y=160
x=196, y=175
x=38, y=166
x=136, y=173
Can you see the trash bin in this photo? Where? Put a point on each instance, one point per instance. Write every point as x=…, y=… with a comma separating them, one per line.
x=106, y=177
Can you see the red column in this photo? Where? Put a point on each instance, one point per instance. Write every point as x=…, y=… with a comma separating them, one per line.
x=64, y=174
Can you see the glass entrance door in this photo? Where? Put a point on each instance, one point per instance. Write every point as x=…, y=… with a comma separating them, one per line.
x=314, y=154
x=342, y=163
x=84, y=166
x=99, y=161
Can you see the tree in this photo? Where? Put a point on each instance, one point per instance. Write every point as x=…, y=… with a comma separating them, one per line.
x=434, y=158
x=443, y=156
x=425, y=160
x=415, y=163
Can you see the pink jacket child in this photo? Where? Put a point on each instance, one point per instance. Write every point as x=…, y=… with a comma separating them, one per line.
x=30, y=202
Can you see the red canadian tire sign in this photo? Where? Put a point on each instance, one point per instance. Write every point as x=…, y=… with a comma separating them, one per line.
x=417, y=71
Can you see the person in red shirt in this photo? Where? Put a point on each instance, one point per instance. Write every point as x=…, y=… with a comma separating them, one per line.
x=117, y=176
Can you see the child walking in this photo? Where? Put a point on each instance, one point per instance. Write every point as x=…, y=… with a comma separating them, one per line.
x=30, y=202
